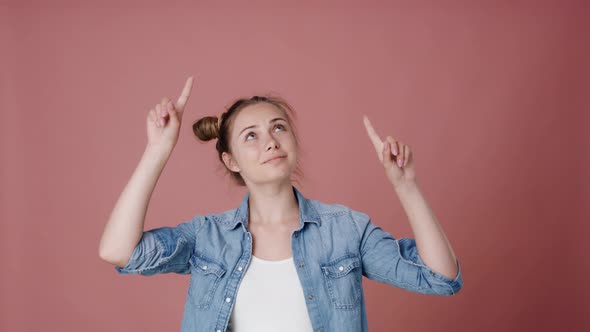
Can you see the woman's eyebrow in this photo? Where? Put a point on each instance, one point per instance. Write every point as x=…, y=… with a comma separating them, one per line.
x=254, y=126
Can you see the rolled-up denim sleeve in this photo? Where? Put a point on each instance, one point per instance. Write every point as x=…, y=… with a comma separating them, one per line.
x=163, y=250
x=396, y=262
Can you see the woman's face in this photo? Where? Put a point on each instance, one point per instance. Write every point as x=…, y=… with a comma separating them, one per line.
x=259, y=133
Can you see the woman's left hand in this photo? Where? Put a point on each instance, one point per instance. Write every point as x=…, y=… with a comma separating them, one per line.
x=396, y=157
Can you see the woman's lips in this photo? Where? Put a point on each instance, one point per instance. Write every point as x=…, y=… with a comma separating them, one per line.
x=275, y=159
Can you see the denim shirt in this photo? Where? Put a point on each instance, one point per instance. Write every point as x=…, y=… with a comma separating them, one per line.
x=333, y=248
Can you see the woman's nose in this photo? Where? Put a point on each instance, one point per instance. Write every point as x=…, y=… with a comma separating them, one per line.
x=272, y=142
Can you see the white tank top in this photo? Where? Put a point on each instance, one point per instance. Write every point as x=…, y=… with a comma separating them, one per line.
x=270, y=298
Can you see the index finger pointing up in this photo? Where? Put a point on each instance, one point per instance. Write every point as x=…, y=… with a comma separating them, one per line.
x=372, y=134
x=186, y=92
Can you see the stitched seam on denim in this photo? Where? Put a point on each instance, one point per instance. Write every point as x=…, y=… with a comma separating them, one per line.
x=395, y=281
x=451, y=288
x=399, y=252
x=402, y=257
x=442, y=278
x=214, y=216
x=219, y=269
x=178, y=244
x=358, y=233
x=134, y=260
x=331, y=288
x=207, y=298
x=159, y=242
x=345, y=256
x=416, y=264
x=161, y=261
x=332, y=214
x=198, y=227
x=202, y=257
x=308, y=276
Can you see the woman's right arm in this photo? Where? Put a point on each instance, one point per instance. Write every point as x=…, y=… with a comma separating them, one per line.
x=125, y=226
x=126, y=223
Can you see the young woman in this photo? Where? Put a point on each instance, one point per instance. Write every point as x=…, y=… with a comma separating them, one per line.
x=279, y=261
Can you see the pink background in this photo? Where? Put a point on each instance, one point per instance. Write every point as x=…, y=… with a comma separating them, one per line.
x=493, y=97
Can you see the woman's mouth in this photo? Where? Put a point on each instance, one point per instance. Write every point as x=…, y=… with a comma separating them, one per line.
x=275, y=159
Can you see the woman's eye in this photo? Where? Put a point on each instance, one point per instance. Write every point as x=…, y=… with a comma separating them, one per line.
x=252, y=133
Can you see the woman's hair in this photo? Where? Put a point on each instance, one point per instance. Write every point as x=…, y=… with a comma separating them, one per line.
x=210, y=127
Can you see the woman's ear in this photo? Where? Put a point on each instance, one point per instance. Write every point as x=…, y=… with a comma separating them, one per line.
x=229, y=162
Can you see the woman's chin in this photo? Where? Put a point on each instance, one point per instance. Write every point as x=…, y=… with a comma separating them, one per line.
x=278, y=175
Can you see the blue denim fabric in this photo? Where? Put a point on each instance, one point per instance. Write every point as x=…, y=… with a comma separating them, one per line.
x=333, y=247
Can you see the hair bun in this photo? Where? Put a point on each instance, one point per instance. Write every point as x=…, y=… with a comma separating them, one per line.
x=207, y=128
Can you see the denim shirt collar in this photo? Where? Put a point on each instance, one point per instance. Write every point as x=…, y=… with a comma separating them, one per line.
x=307, y=213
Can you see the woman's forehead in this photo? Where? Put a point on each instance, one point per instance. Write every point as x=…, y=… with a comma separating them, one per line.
x=257, y=113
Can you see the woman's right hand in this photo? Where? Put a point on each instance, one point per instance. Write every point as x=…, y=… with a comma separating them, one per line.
x=163, y=121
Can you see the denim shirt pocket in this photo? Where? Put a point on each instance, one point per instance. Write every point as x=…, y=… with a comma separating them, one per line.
x=206, y=274
x=343, y=279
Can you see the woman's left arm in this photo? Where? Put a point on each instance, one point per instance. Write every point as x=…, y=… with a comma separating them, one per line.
x=433, y=246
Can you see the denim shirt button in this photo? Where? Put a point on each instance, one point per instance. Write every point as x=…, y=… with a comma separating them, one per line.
x=205, y=267
x=239, y=268
x=341, y=268
x=301, y=265
x=227, y=299
x=310, y=296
